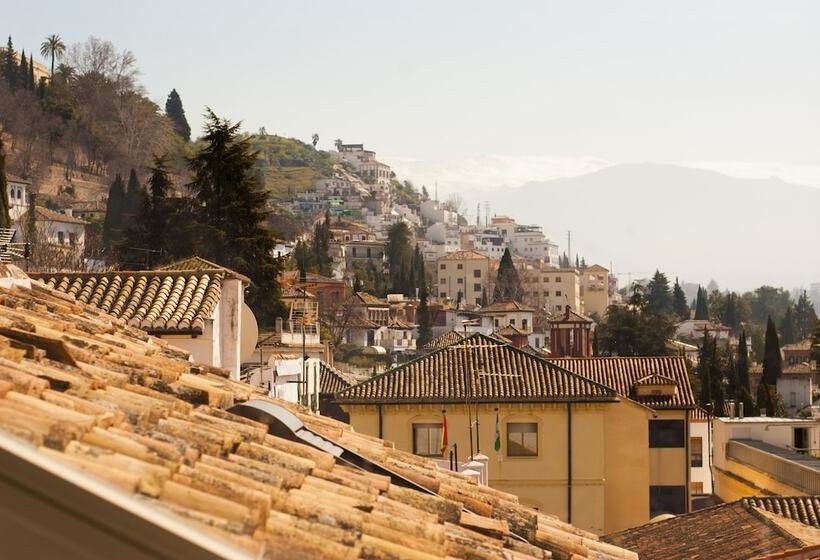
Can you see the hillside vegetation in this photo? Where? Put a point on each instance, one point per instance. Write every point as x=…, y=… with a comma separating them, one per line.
x=288, y=165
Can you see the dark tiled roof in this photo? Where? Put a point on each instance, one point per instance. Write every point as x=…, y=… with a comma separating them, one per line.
x=331, y=380
x=129, y=409
x=805, y=509
x=623, y=373
x=498, y=372
x=733, y=531
x=156, y=301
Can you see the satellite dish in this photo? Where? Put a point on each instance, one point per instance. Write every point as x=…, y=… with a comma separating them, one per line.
x=248, y=333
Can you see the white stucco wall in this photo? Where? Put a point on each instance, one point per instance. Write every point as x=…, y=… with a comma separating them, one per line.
x=702, y=474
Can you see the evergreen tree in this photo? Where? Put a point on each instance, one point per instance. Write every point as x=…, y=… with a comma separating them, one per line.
x=815, y=343
x=424, y=319
x=114, y=213
x=320, y=246
x=730, y=313
x=743, y=364
x=705, y=370
x=770, y=401
x=772, y=360
x=133, y=199
x=679, y=304
x=31, y=84
x=175, y=112
x=716, y=379
x=399, y=253
x=5, y=219
x=507, y=282
x=702, y=306
x=484, y=302
x=577, y=262
x=659, y=298
x=232, y=211
x=805, y=317
x=9, y=66
x=789, y=326
x=22, y=71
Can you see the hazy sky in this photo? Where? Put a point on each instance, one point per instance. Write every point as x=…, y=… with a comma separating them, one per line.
x=520, y=88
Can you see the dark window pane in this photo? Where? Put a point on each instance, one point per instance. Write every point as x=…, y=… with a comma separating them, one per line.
x=427, y=440
x=666, y=433
x=522, y=439
x=667, y=499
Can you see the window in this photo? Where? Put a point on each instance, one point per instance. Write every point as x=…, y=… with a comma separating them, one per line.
x=354, y=251
x=557, y=293
x=459, y=280
x=442, y=267
x=696, y=445
x=442, y=281
x=524, y=324
x=496, y=324
x=667, y=499
x=72, y=238
x=477, y=273
x=557, y=278
x=368, y=252
x=60, y=237
x=697, y=488
x=459, y=266
x=666, y=433
x=546, y=278
x=476, y=287
x=427, y=440
x=546, y=293
x=442, y=295
x=512, y=322
x=792, y=399
x=522, y=439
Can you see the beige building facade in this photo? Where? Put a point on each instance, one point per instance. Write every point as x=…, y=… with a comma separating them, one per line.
x=551, y=289
x=595, y=290
x=462, y=272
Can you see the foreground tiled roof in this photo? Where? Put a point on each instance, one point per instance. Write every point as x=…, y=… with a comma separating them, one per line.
x=496, y=372
x=733, y=531
x=805, y=509
x=156, y=301
x=622, y=374
x=97, y=396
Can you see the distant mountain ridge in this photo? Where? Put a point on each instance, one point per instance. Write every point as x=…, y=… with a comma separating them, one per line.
x=692, y=223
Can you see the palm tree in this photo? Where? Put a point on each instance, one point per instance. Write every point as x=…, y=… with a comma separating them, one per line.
x=53, y=47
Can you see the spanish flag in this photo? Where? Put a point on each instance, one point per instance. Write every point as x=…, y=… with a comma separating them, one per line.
x=444, y=443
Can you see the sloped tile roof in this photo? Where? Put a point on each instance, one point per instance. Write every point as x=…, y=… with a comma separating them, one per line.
x=733, y=531
x=52, y=216
x=498, y=372
x=156, y=301
x=622, y=374
x=463, y=255
x=504, y=307
x=805, y=509
x=331, y=380
x=511, y=330
x=446, y=339
x=100, y=397
x=199, y=264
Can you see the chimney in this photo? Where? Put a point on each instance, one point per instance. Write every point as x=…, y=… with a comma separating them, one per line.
x=68, y=212
x=740, y=410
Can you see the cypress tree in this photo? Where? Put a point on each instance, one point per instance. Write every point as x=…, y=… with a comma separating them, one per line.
x=507, y=283
x=743, y=363
x=22, y=71
x=133, y=198
x=788, y=326
x=716, y=379
x=232, y=211
x=31, y=83
x=175, y=112
x=424, y=319
x=679, y=304
x=5, y=219
x=399, y=252
x=772, y=360
x=730, y=317
x=702, y=306
x=114, y=213
x=9, y=66
x=705, y=369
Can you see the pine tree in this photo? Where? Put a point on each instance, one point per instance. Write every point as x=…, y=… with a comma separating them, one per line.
x=772, y=360
x=9, y=67
x=507, y=282
x=114, y=213
x=789, y=326
x=679, y=304
x=232, y=213
x=5, y=219
x=702, y=306
x=175, y=112
x=155, y=226
x=659, y=298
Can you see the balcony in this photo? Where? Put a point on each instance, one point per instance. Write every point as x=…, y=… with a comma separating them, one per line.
x=798, y=470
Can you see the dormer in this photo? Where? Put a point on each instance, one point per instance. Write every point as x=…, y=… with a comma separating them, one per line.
x=655, y=385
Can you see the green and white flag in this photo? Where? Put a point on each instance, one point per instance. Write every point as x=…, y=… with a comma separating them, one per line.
x=497, y=444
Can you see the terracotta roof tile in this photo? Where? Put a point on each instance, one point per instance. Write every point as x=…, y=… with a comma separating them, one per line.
x=733, y=531
x=498, y=372
x=331, y=380
x=156, y=301
x=446, y=339
x=504, y=307
x=98, y=396
x=463, y=255
x=805, y=509
x=622, y=374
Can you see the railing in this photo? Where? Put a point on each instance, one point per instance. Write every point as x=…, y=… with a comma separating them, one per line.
x=777, y=467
